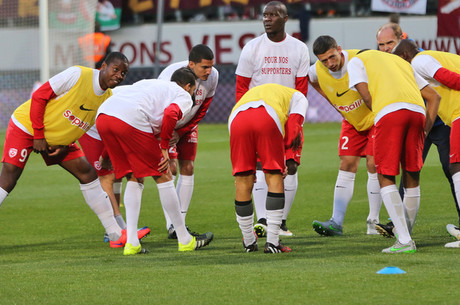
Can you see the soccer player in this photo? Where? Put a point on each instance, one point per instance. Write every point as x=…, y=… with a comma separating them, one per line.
x=442, y=70
x=388, y=36
x=49, y=123
x=274, y=57
x=136, y=126
x=266, y=120
x=185, y=136
x=389, y=86
x=329, y=77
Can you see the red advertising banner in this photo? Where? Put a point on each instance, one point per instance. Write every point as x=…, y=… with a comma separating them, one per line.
x=448, y=18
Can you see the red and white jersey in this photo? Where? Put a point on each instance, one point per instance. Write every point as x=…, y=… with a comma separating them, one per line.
x=204, y=89
x=265, y=61
x=142, y=104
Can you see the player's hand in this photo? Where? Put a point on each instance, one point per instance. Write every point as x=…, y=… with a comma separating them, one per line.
x=285, y=172
x=175, y=138
x=40, y=146
x=105, y=163
x=297, y=142
x=164, y=163
x=54, y=151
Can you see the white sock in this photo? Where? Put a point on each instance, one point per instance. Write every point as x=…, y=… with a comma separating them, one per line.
x=343, y=192
x=290, y=189
x=259, y=194
x=3, y=195
x=184, y=189
x=132, y=199
x=99, y=202
x=411, y=204
x=246, y=223
x=170, y=203
x=274, y=218
x=395, y=209
x=373, y=194
x=117, y=187
x=121, y=222
x=167, y=218
x=456, y=180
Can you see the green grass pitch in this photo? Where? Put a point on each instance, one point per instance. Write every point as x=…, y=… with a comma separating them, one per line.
x=51, y=249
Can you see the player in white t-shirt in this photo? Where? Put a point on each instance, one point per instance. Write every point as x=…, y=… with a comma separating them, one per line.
x=185, y=138
x=136, y=126
x=274, y=57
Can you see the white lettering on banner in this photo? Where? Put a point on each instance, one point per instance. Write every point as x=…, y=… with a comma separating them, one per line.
x=226, y=39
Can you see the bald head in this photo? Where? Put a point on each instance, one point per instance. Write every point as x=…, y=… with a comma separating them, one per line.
x=280, y=7
x=388, y=36
x=406, y=49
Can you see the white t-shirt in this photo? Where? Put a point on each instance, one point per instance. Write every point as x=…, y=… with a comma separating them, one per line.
x=142, y=104
x=204, y=89
x=265, y=61
x=313, y=76
x=427, y=66
x=357, y=74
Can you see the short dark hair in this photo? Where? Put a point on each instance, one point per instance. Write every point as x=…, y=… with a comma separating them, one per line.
x=200, y=52
x=184, y=76
x=323, y=43
x=115, y=56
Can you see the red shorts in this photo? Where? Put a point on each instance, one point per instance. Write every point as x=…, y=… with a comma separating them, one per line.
x=295, y=154
x=19, y=144
x=455, y=142
x=130, y=150
x=355, y=143
x=399, y=138
x=92, y=148
x=254, y=133
x=185, y=149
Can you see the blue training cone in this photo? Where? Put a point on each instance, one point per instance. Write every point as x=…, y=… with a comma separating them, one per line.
x=391, y=270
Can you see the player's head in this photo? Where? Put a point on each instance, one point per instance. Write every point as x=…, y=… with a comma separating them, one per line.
x=113, y=70
x=185, y=78
x=388, y=36
x=328, y=52
x=201, y=60
x=274, y=18
x=406, y=49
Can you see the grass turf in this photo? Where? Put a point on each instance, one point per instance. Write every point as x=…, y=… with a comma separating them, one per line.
x=52, y=250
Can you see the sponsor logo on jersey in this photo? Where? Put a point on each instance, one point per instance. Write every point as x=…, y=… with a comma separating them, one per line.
x=348, y=108
x=82, y=107
x=12, y=152
x=76, y=121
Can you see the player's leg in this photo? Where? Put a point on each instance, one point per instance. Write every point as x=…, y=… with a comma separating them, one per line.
x=186, y=149
x=94, y=195
x=259, y=194
x=243, y=157
x=291, y=183
x=455, y=172
x=173, y=168
x=92, y=148
x=404, y=130
x=16, y=150
x=373, y=194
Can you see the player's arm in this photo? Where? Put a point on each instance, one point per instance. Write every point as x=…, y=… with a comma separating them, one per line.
x=448, y=78
x=293, y=131
x=39, y=99
x=197, y=118
x=432, y=99
x=363, y=90
x=301, y=84
x=171, y=115
x=242, y=86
